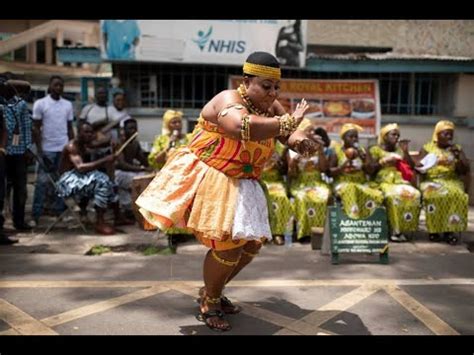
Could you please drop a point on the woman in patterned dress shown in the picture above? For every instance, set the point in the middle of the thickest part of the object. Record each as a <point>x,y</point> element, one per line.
<point>280,209</point>
<point>349,167</point>
<point>443,193</point>
<point>310,192</point>
<point>212,185</point>
<point>402,200</point>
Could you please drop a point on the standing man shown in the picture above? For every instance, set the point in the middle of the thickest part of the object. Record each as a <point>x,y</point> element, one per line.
<point>4,240</point>
<point>53,116</point>
<point>98,115</point>
<point>18,127</point>
<point>118,113</point>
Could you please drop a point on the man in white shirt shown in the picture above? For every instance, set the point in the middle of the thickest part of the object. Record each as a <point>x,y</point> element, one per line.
<point>52,117</point>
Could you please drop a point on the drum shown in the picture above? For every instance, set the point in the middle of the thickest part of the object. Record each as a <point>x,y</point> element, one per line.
<point>139,184</point>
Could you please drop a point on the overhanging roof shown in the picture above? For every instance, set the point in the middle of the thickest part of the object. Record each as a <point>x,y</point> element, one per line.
<point>389,62</point>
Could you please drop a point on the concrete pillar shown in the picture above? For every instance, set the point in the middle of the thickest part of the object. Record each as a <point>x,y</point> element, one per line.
<point>59,43</point>
<point>48,48</point>
<point>87,40</point>
<point>31,52</point>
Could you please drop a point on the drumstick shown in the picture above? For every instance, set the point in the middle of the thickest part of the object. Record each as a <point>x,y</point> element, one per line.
<point>127,142</point>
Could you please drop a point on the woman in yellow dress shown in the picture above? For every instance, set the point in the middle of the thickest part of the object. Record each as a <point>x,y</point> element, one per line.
<point>402,200</point>
<point>280,209</point>
<point>309,190</point>
<point>164,145</point>
<point>212,185</point>
<point>171,137</point>
<point>443,193</point>
<point>349,167</point>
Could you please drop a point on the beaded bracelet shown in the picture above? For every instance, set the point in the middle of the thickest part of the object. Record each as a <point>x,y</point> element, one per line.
<point>245,128</point>
<point>288,125</point>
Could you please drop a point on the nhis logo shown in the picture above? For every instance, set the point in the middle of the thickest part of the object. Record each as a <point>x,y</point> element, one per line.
<point>219,45</point>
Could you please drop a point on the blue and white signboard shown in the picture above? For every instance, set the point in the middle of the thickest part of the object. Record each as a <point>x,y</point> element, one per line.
<point>203,41</point>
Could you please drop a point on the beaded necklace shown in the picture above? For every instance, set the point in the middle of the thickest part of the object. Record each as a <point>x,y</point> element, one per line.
<point>246,99</point>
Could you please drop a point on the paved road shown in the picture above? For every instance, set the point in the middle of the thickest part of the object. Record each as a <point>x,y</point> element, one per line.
<point>48,286</point>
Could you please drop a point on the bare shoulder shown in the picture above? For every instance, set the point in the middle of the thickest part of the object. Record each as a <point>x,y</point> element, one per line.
<point>218,102</point>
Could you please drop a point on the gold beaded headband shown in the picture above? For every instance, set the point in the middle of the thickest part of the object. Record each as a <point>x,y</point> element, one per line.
<point>262,70</point>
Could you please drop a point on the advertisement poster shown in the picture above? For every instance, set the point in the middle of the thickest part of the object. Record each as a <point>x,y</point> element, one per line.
<point>203,41</point>
<point>332,102</point>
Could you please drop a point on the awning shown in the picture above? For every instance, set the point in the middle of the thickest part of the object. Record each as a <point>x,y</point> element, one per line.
<point>389,62</point>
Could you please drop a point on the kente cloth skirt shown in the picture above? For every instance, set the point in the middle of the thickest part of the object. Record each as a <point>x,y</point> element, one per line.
<point>222,212</point>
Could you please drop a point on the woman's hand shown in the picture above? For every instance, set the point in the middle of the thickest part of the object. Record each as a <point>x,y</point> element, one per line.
<point>307,147</point>
<point>300,110</point>
<point>389,161</point>
<point>455,150</point>
<point>403,144</point>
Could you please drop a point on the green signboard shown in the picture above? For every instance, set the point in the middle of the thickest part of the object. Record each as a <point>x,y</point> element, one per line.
<point>349,235</point>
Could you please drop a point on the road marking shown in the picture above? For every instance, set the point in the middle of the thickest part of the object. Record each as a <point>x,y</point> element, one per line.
<point>431,320</point>
<point>238,283</point>
<point>309,324</point>
<point>22,322</point>
<point>254,311</point>
<point>102,306</point>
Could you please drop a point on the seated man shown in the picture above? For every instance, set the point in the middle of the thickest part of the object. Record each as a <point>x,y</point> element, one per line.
<point>81,179</point>
<point>131,162</point>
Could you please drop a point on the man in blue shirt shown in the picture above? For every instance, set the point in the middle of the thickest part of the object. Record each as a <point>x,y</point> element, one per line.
<point>120,38</point>
<point>18,129</point>
<point>4,239</point>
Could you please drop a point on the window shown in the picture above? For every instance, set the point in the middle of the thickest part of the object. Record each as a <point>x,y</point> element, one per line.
<point>192,86</point>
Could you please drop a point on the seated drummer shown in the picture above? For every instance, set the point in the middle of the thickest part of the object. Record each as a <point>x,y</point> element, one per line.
<point>81,179</point>
<point>132,162</point>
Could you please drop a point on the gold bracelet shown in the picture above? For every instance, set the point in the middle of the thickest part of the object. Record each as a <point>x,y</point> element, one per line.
<point>288,125</point>
<point>245,128</point>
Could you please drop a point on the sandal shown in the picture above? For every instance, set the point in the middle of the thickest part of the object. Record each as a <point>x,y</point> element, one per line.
<point>204,316</point>
<point>227,306</point>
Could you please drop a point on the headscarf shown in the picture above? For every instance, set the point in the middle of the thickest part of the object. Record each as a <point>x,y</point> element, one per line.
<point>385,129</point>
<point>349,127</point>
<point>167,117</point>
<point>441,126</point>
<point>262,64</point>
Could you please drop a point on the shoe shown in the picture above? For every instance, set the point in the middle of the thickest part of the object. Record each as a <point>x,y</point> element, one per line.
<point>23,227</point>
<point>34,223</point>
<point>397,238</point>
<point>279,240</point>
<point>4,240</point>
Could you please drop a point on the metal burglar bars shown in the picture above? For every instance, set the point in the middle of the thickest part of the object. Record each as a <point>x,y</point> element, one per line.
<point>192,86</point>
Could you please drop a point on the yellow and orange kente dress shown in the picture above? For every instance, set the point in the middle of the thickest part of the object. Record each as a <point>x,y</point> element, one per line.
<point>211,187</point>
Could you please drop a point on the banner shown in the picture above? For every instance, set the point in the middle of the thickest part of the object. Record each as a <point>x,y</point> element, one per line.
<point>332,103</point>
<point>203,41</point>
